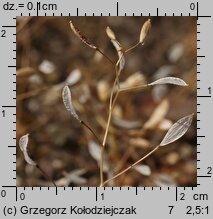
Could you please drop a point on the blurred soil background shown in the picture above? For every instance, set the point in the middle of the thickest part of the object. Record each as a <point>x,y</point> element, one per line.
<point>50,56</point>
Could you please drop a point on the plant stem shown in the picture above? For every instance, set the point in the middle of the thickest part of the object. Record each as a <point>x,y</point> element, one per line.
<point>103,54</point>
<point>105,136</point>
<point>46,175</point>
<point>102,151</point>
<point>90,129</point>
<point>133,47</point>
<point>111,105</point>
<point>102,166</point>
<point>131,166</point>
<point>134,88</point>
<point>109,117</point>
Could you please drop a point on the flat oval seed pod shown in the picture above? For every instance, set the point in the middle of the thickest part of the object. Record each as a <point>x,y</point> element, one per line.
<point>169,80</point>
<point>110,33</point>
<point>77,32</point>
<point>66,95</point>
<point>23,142</point>
<point>177,130</point>
<point>144,30</point>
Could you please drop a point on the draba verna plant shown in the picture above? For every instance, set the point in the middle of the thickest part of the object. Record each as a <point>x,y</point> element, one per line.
<point>176,131</point>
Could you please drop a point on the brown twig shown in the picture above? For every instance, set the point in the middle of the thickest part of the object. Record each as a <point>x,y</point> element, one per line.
<point>132,47</point>
<point>138,87</point>
<point>104,55</point>
<point>91,130</point>
<point>102,147</point>
<point>131,166</point>
<point>46,175</point>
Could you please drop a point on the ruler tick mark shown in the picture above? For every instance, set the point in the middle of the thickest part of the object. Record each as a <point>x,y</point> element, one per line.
<point>16,194</point>
<point>204,96</point>
<point>96,194</point>
<point>204,176</point>
<point>176,194</point>
<point>8,106</point>
<point>197,10</point>
<point>203,16</point>
<point>6,26</point>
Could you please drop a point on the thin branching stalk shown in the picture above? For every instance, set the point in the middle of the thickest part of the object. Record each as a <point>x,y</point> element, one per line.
<point>116,90</point>
<point>84,39</point>
<point>102,150</point>
<point>105,56</point>
<point>105,136</point>
<point>176,131</point>
<point>117,73</point>
<point>46,175</point>
<point>132,47</point>
<point>91,130</point>
<point>131,166</point>
<point>111,105</point>
<point>135,88</point>
<point>102,167</point>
